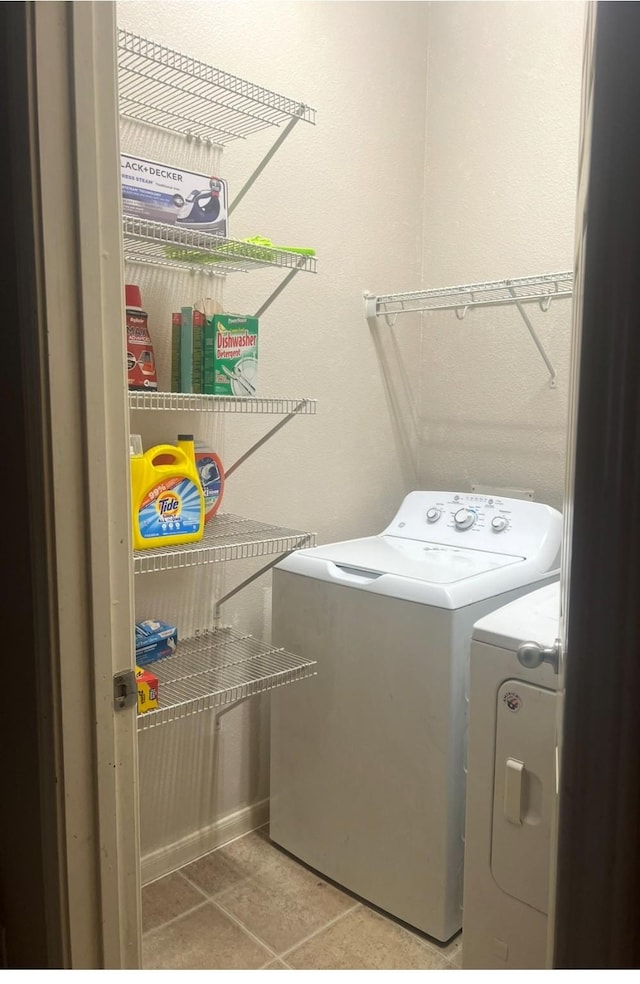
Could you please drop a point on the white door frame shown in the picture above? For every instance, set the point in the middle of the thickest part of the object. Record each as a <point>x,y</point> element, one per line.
<point>75,168</point>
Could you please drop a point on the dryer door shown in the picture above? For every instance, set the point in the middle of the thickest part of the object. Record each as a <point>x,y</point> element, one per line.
<point>524,791</point>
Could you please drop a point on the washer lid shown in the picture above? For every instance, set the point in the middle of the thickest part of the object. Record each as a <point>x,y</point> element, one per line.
<point>532,618</point>
<point>422,561</point>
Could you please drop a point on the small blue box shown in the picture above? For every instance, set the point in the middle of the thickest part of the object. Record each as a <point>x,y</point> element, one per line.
<point>154,640</point>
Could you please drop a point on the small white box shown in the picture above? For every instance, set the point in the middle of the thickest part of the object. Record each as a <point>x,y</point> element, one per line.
<point>162,193</point>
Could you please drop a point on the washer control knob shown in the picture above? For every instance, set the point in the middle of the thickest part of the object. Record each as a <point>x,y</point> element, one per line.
<point>499,523</point>
<point>464,519</point>
<point>433,514</point>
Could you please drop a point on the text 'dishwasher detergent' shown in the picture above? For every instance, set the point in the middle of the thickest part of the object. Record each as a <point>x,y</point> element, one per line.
<point>230,355</point>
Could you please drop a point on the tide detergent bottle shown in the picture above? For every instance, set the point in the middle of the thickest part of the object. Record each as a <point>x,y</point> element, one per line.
<point>166,498</point>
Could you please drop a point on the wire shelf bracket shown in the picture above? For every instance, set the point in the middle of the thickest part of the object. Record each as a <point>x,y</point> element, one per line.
<point>263,163</point>
<point>243,584</point>
<point>263,440</point>
<point>540,289</point>
<point>197,401</point>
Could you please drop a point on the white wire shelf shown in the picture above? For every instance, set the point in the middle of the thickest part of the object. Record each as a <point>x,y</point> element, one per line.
<point>144,400</point>
<point>542,288</point>
<point>226,537</point>
<point>159,244</point>
<point>217,668</point>
<point>162,87</point>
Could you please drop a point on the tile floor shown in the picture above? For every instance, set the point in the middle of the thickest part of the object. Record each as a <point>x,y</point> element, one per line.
<point>249,906</point>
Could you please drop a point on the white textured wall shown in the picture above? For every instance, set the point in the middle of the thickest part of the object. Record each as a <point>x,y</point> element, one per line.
<point>352,187</point>
<point>501,171</point>
<point>491,195</point>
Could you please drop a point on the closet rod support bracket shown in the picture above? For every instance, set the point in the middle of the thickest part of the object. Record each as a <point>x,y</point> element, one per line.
<point>248,580</point>
<point>285,283</point>
<point>370,305</point>
<point>264,438</point>
<point>265,160</point>
<point>553,381</point>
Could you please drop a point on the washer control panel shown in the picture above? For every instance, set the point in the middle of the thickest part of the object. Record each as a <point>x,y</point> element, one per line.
<point>464,518</point>
<point>499,523</point>
<point>481,522</point>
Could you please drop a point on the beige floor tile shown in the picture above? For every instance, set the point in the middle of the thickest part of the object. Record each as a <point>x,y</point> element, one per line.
<point>204,939</point>
<point>364,940</point>
<point>253,851</point>
<point>277,965</point>
<point>167,898</point>
<point>215,873</point>
<point>232,864</point>
<point>283,902</point>
<point>452,951</point>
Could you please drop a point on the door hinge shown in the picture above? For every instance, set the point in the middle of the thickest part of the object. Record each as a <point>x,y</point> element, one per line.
<point>125,689</point>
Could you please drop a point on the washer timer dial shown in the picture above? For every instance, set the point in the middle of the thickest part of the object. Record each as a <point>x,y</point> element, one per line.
<point>464,518</point>
<point>433,514</point>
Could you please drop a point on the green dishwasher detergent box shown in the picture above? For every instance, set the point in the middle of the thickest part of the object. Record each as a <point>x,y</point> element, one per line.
<point>231,355</point>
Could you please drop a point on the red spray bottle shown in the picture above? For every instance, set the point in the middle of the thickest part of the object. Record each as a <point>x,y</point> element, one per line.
<point>141,364</point>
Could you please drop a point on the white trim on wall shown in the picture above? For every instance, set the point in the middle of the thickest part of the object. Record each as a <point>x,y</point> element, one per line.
<point>195,845</point>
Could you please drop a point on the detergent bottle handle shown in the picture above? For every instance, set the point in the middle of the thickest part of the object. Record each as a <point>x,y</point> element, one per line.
<point>177,455</point>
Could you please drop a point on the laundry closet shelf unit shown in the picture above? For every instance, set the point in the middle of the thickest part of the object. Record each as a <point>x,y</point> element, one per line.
<point>153,400</point>
<point>163,88</point>
<point>217,668</point>
<point>540,289</point>
<point>226,537</point>
<point>173,247</point>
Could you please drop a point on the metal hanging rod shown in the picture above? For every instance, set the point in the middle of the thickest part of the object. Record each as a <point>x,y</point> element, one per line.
<point>540,289</point>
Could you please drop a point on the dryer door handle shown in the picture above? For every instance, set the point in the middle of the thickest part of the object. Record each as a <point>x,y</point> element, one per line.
<point>531,655</point>
<point>513,790</point>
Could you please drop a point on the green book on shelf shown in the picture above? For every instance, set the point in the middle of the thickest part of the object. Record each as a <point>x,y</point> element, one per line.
<point>198,344</point>
<point>208,357</point>
<point>186,350</point>
<point>176,324</point>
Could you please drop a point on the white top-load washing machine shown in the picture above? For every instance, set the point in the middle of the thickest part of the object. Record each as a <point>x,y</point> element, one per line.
<point>367,758</point>
<point>511,784</point>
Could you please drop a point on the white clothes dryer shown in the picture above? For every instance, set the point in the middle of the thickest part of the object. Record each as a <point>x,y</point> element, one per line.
<point>367,758</point>
<point>511,784</point>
